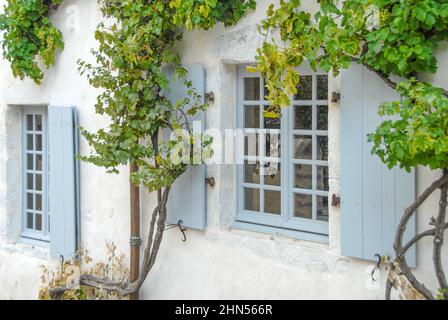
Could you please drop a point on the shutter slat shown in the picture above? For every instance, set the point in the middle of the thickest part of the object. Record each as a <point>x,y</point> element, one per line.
<point>351,166</point>
<point>187,197</point>
<point>372,168</point>
<point>373,197</point>
<point>63,198</point>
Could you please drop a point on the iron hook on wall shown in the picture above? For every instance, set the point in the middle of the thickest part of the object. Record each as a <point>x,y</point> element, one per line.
<point>182,230</point>
<point>376,267</point>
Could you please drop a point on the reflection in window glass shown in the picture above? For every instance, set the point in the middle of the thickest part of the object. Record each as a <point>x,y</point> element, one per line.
<point>250,144</point>
<point>322,148</point>
<point>305,88</point>
<point>251,199</point>
<point>322,208</point>
<point>303,117</point>
<point>303,206</point>
<point>303,147</point>
<point>322,118</point>
<point>272,201</point>
<point>273,145</point>
<point>272,174</point>
<point>252,117</point>
<point>303,176</point>
<point>29,142</point>
<point>251,172</point>
<point>322,178</point>
<point>29,122</point>
<point>251,89</point>
<point>322,87</point>
<point>38,122</point>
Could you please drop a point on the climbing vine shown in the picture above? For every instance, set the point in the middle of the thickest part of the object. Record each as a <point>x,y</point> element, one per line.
<point>390,38</point>
<point>29,36</point>
<point>134,46</point>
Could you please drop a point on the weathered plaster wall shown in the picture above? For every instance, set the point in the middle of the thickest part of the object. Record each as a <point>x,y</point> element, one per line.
<point>219,263</point>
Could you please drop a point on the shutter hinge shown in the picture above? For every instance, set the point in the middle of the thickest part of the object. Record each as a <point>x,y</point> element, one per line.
<point>210,181</point>
<point>335,201</point>
<point>210,97</point>
<point>335,97</point>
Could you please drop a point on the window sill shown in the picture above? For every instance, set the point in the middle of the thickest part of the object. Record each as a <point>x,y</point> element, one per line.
<point>29,247</point>
<point>300,235</point>
<point>34,242</point>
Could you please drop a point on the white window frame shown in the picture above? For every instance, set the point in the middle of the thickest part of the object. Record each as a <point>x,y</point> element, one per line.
<point>285,223</point>
<point>32,233</point>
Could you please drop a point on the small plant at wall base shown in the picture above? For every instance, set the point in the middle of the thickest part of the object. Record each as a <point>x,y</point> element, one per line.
<point>29,36</point>
<point>113,268</point>
<point>133,48</point>
<point>388,37</point>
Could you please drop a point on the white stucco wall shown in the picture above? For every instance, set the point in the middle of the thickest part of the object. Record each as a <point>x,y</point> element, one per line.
<point>220,262</point>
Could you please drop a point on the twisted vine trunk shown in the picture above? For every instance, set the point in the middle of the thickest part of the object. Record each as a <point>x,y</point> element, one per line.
<point>440,225</point>
<point>154,240</point>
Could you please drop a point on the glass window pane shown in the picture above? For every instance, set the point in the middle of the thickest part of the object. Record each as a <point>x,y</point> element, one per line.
<point>251,172</point>
<point>272,122</point>
<point>303,117</point>
<point>303,176</point>
<point>29,122</point>
<point>272,202</point>
<point>38,202</point>
<point>322,208</point>
<point>322,87</point>
<point>322,178</point>
<point>29,142</point>
<point>29,161</point>
<point>273,145</point>
<point>29,181</point>
<point>29,220</point>
<point>251,144</point>
<point>38,162</point>
<point>29,201</point>
<point>38,122</point>
<point>305,88</point>
<point>303,206</point>
<point>251,199</point>
<point>303,147</point>
<point>251,89</point>
<point>38,222</point>
<point>38,142</point>
<point>322,118</point>
<point>38,182</point>
<point>272,174</point>
<point>322,148</point>
<point>252,117</point>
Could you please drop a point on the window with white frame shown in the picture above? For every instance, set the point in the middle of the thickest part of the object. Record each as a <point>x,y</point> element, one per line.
<point>283,183</point>
<point>35,172</point>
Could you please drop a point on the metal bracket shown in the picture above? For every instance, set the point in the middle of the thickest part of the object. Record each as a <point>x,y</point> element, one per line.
<point>335,97</point>
<point>210,181</point>
<point>335,201</point>
<point>210,97</point>
<point>135,241</point>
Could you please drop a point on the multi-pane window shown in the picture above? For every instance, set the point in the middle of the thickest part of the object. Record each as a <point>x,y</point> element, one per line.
<point>283,182</point>
<point>36,217</point>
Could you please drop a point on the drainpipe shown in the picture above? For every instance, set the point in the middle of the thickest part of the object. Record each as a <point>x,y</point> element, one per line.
<point>135,240</point>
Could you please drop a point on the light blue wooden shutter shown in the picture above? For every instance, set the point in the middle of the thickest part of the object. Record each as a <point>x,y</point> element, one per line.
<point>63,182</point>
<point>373,198</point>
<point>187,197</point>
